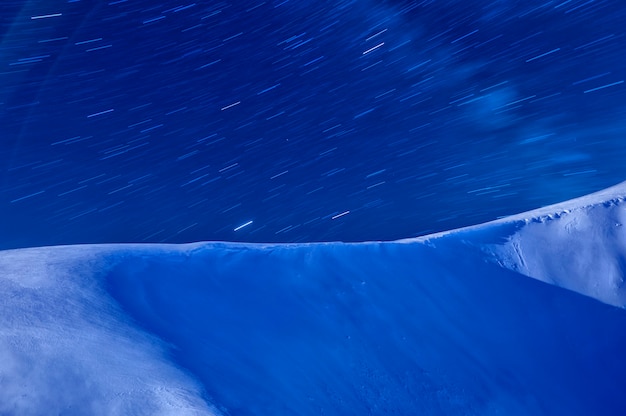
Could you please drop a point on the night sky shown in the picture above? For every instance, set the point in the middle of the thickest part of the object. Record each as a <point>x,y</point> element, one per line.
<point>300,120</point>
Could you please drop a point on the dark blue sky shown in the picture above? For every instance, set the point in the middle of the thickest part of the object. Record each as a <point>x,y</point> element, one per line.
<point>143,121</point>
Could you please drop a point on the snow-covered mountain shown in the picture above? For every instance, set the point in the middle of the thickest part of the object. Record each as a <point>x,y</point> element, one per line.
<point>446,324</point>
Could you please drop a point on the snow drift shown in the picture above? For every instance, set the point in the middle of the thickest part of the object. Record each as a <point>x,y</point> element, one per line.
<point>439,325</point>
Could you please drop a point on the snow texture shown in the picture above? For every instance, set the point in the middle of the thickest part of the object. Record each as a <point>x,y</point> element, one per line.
<point>578,245</point>
<point>447,324</point>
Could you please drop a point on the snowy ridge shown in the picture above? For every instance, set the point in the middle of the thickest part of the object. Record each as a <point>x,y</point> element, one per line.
<point>613,195</point>
<point>579,244</point>
<point>583,250</point>
<point>446,324</point>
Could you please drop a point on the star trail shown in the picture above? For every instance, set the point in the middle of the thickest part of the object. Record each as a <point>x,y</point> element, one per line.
<point>292,121</point>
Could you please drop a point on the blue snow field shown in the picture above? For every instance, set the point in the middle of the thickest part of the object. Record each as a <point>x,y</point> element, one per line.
<point>438,325</point>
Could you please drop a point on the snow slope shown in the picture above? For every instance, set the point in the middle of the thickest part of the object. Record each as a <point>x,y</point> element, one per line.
<point>448,324</point>
<point>579,244</point>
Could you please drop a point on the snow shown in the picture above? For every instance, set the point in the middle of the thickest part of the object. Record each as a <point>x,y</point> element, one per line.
<point>67,348</point>
<point>578,245</point>
<point>447,324</point>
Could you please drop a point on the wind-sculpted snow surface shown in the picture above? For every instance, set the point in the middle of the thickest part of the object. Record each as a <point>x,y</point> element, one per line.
<point>447,324</point>
<point>579,244</point>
